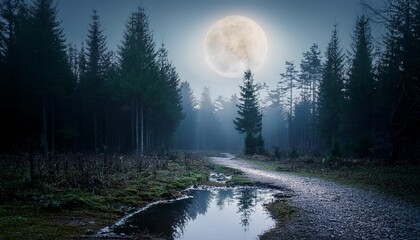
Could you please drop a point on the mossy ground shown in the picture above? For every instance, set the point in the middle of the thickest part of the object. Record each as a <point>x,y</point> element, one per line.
<point>60,211</point>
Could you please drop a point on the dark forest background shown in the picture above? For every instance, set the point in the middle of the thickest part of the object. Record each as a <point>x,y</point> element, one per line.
<point>56,97</point>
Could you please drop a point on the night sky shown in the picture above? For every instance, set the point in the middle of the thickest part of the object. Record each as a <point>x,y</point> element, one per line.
<point>291,28</point>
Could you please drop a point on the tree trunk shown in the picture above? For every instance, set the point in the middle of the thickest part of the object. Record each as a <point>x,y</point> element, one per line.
<point>95,134</point>
<point>133,145</point>
<point>44,136</point>
<point>52,127</point>
<point>313,116</point>
<point>291,114</point>
<point>142,128</point>
<point>137,127</point>
<point>32,179</point>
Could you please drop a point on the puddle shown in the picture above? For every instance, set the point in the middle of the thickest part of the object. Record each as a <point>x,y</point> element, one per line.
<point>213,213</point>
<point>219,177</point>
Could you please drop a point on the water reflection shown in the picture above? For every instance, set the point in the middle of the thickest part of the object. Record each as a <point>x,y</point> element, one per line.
<point>227,213</point>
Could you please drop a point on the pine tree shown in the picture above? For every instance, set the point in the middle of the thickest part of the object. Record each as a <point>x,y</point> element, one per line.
<point>11,86</point>
<point>287,83</point>
<point>359,90</point>
<point>330,93</point>
<point>49,70</point>
<point>166,95</point>
<point>309,78</point>
<point>137,71</point>
<point>249,121</point>
<point>93,90</point>
<point>398,96</point>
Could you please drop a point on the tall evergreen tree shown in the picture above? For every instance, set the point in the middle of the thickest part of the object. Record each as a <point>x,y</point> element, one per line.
<point>249,121</point>
<point>11,86</point>
<point>359,90</point>
<point>93,85</point>
<point>398,95</point>
<point>49,75</point>
<point>169,99</point>
<point>330,93</point>
<point>309,78</point>
<point>287,83</point>
<point>137,71</point>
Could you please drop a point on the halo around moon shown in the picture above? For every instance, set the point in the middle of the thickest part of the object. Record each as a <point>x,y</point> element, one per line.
<point>233,44</point>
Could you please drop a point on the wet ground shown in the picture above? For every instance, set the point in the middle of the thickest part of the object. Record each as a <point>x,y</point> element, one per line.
<point>333,211</point>
<point>204,213</point>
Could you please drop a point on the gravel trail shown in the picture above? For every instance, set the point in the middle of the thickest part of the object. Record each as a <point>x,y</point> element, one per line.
<point>334,211</point>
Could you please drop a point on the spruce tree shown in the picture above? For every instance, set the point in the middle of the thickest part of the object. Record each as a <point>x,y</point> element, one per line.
<point>137,72</point>
<point>49,70</point>
<point>165,93</point>
<point>358,108</point>
<point>398,97</point>
<point>93,85</point>
<point>330,94</point>
<point>249,121</point>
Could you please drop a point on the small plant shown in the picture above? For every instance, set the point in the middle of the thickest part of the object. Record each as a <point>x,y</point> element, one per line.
<point>293,154</point>
<point>277,153</point>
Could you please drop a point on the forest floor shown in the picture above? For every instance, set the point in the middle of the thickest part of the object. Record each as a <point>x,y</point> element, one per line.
<point>75,195</point>
<point>66,203</point>
<point>340,204</point>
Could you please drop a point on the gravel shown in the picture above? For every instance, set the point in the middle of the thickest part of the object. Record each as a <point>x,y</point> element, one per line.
<point>335,211</point>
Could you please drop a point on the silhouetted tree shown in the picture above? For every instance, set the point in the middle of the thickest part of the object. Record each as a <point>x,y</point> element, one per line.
<point>165,96</point>
<point>249,121</point>
<point>49,70</point>
<point>398,96</point>
<point>359,90</point>
<point>330,93</point>
<point>137,71</point>
<point>93,86</point>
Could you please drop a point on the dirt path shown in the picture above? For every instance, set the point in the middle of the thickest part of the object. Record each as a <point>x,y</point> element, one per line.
<point>334,211</point>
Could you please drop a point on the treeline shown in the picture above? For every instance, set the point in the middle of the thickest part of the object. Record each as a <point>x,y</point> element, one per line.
<point>56,97</point>
<point>363,103</point>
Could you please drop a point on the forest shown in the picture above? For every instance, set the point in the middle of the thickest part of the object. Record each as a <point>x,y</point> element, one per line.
<point>89,134</point>
<point>56,97</point>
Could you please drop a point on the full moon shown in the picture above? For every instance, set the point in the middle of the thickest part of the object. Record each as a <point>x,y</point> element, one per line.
<point>233,44</point>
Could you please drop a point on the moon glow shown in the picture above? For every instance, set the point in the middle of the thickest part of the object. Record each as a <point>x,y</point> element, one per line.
<point>233,44</point>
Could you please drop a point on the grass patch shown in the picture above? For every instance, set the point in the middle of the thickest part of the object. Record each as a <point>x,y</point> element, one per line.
<point>285,215</point>
<point>281,211</point>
